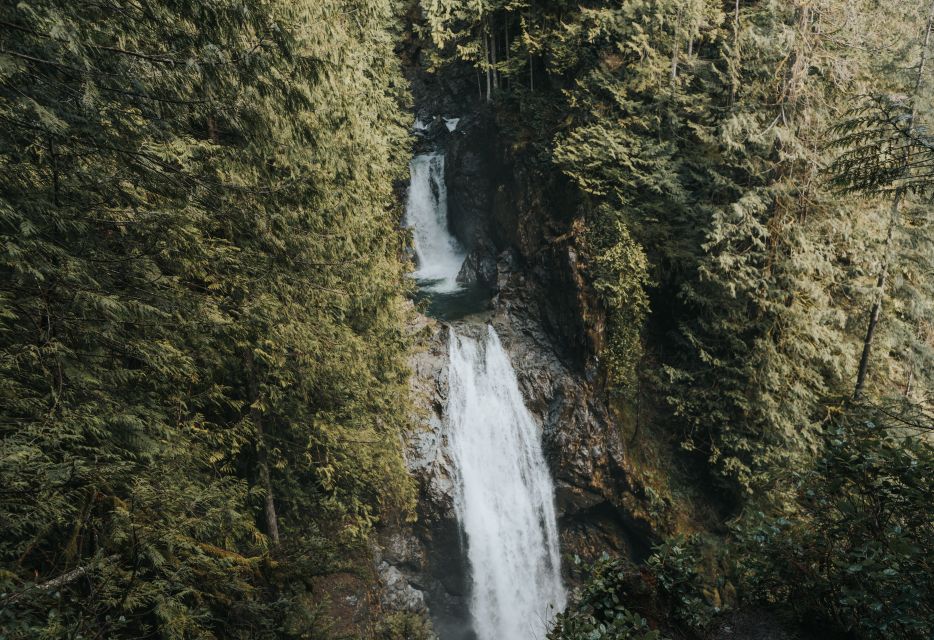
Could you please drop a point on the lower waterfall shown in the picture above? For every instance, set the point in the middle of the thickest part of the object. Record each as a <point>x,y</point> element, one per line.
<point>505,497</point>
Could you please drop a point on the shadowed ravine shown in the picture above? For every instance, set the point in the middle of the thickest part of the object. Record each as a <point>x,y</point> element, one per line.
<point>503,495</point>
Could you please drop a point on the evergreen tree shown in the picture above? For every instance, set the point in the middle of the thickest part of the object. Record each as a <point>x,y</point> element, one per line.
<point>886,150</point>
<point>698,134</point>
<point>201,311</point>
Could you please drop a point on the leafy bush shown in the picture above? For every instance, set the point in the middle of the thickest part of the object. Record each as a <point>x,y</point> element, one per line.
<point>677,565</point>
<point>403,625</point>
<point>856,548</point>
<point>598,612</point>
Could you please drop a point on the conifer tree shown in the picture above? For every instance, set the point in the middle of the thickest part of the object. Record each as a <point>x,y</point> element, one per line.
<point>200,310</point>
<point>886,149</point>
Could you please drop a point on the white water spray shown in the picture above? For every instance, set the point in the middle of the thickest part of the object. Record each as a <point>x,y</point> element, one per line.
<point>438,253</point>
<point>505,498</point>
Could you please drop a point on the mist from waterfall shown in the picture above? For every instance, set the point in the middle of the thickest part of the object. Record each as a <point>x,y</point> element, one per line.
<point>438,254</point>
<point>505,497</point>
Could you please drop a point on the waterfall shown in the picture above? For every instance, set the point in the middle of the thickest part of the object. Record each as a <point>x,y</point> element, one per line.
<point>505,498</point>
<point>438,253</point>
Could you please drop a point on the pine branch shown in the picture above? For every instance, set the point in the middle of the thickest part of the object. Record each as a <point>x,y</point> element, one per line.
<point>54,584</point>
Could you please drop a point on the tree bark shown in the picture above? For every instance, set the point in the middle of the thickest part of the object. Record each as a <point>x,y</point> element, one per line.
<point>272,522</point>
<point>675,46</point>
<point>735,48</point>
<point>493,55</point>
<point>876,309</point>
<point>528,27</point>
<point>486,59</point>
<point>213,134</point>
<point>262,456</point>
<point>924,55</point>
<point>57,583</point>
<point>674,64</point>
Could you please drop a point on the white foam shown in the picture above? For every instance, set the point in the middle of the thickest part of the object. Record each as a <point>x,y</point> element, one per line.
<point>438,253</point>
<point>504,497</point>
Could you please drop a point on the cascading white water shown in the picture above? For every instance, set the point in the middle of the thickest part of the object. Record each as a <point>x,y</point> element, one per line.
<point>438,253</point>
<point>505,497</point>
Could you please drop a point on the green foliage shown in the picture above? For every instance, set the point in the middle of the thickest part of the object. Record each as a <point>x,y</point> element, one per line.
<point>671,588</point>
<point>697,134</point>
<point>619,271</point>
<point>883,147</point>
<point>200,308</point>
<point>599,611</point>
<point>728,169</point>
<point>728,172</point>
<point>856,546</point>
<point>679,566</point>
<point>404,626</point>
<point>849,550</point>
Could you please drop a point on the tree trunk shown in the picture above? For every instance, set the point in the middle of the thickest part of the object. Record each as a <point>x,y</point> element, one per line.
<point>272,522</point>
<point>506,36</point>
<point>493,55</point>
<point>675,50</point>
<point>674,64</point>
<point>262,456</point>
<point>528,26</point>
<point>61,581</point>
<point>735,49</point>
<point>213,134</point>
<point>924,56</point>
<point>893,224</point>
<point>486,59</point>
<point>877,305</point>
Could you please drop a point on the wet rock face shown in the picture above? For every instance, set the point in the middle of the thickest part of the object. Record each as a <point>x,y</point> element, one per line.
<point>426,563</point>
<point>469,166</point>
<point>398,594</point>
<point>587,460</point>
<point>425,454</point>
<point>479,267</point>
<point>587,457</point>
<point>466,143</point>
<point>496,205</point>
<point>519,230</point>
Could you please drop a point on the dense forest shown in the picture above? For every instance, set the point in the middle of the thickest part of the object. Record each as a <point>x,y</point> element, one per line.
<point>205,319</point>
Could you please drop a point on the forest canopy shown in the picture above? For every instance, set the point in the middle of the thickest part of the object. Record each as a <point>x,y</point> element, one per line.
<point>201,311</point>
<point>203,301</point>
<point>754,210</point>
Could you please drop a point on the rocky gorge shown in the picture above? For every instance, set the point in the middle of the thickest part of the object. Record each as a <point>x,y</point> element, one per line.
<point>521,255</point>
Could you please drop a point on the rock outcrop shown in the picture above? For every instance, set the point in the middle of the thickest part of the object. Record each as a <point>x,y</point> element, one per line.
<point>426,562</point>
<point>588,459</point>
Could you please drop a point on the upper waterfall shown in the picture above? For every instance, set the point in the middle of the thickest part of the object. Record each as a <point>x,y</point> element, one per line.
<point>504,497</point>
<point>438,253</point>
